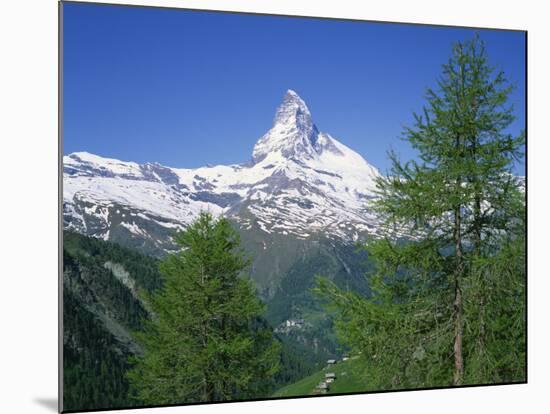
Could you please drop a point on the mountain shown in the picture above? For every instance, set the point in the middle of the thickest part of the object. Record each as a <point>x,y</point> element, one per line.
<point>299,204</point>
<point>299,181</point>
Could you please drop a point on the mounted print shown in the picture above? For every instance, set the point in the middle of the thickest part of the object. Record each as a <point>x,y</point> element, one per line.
<point>263,206</point>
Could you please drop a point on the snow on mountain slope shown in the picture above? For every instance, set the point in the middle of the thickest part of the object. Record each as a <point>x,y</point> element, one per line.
<point>300,181</point>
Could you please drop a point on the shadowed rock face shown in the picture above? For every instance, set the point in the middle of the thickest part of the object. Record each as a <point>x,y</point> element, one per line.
<point>293,133</point>
<point>154,172</point>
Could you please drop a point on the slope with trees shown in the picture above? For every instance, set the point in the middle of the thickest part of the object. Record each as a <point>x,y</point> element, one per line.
<point>100,313</point>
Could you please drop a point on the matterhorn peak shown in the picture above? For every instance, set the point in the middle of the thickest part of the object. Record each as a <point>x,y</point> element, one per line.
<point>293,113</point>
<point>293,134</point>
<point>292,109</point>
<point>300,181</point>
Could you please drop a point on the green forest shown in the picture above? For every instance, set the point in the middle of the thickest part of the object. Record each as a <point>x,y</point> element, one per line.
<point>113,329</point>
<point>443,301</point>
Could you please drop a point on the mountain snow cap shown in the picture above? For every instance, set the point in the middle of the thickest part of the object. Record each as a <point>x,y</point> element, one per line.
<point>293,134</point>
<point>292,109</point>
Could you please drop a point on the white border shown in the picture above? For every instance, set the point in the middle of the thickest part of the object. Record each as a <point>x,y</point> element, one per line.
<point>28,233</point>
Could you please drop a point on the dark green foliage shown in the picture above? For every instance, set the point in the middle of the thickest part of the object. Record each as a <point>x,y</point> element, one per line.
<point>297,360</point>
<point>448,292</point>
<point>94,362</point>
<point>294,298</point>
<point>307,349</point>
<point>99,311</point>
<point>495,308</point>
<point>92,291</point>
<point>144,269</point>
<point>205,341</point>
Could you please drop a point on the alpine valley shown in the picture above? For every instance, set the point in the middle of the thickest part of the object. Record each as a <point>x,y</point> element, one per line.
<point>300,205</point>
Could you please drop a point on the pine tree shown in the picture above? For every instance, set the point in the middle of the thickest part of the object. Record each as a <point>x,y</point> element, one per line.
<point>205,341</point>
<point>450,271</point>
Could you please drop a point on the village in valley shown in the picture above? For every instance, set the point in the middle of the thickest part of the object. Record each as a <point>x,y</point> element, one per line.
<point>291,325</point>
<point>329,376</point>
<point>324,386</point>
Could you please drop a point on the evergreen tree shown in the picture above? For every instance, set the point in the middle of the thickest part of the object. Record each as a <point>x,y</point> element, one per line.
<point>205,341</point>
<point>448,302</point>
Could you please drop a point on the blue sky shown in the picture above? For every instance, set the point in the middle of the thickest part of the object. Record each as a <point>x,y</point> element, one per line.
<point>187,89</point>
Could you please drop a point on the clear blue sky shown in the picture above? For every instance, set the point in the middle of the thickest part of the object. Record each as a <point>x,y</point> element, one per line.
<point>187,89</point>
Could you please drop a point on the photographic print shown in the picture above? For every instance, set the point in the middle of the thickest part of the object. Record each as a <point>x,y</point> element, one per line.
<point>264,206</point>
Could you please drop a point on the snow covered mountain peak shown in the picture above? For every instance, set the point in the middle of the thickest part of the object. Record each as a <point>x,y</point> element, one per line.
<point>301,182</point>
<point>293,134</point>
<point>293,110</point>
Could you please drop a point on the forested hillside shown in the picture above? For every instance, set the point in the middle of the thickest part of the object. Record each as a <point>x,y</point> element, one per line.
<point>105,291</point>
<point>102,306</point>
